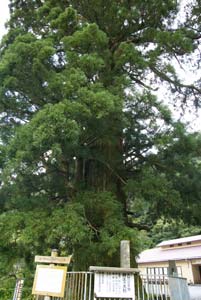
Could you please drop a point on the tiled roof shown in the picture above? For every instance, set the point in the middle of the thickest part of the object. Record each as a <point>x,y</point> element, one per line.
<point>158,254</point>
<point>194,238</point>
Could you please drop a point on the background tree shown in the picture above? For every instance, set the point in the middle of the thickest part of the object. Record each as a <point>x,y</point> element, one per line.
<point>80,125</point>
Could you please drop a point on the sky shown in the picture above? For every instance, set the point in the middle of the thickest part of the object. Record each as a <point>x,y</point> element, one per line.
<point>4,15</point>
<point>193,118</point>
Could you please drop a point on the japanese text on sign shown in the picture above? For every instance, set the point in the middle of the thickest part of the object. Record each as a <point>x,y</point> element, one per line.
<point>114,285</point>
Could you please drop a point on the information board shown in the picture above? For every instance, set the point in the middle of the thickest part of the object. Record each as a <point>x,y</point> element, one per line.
<point>114,285</point>
<point>49,281</point>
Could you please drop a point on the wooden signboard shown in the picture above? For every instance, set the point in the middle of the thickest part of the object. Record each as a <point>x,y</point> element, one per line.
<point>49,281</point>
<point>53,259</point>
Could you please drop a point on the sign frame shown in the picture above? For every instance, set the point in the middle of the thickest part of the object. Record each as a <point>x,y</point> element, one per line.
<point>111,282</point>
<point>47,292</point>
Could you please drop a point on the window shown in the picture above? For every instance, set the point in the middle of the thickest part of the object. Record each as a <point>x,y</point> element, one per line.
<point>157,271</point>
<point>163,271</point>
<point>179,271</point>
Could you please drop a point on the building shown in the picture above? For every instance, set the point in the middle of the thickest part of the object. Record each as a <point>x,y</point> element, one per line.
<point>186,252</point>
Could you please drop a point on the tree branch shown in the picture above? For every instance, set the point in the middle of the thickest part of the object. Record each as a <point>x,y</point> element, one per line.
<point>166,78</point>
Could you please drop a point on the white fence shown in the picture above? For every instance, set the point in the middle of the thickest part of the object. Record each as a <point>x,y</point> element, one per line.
<point>152,287</point>
<point>80,286</point>
<point>18,289</point>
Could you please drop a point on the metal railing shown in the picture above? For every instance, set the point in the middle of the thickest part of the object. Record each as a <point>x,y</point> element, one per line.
<point>152,287</point>
<point>80,286</point>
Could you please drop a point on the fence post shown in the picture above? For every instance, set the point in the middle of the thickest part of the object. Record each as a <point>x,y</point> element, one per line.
<point>172,268</point>
<point>54,253</point>
<point>178,288</point>
<point>18,289</point>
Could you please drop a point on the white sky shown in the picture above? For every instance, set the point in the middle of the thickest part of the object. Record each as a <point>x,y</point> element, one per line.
<point>4,15</point>
<point>192,118</point>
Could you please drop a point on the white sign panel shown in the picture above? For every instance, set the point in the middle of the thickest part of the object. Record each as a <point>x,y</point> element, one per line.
<point>114,285</point>
<point>49,281</point>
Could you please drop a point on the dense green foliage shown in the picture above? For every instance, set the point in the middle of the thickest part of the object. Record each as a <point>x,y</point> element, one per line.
<point>89,156</point>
